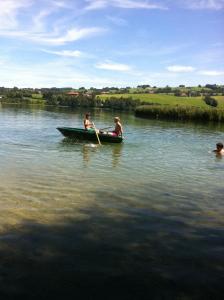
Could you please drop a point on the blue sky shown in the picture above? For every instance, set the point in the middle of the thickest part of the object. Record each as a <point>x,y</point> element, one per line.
<point>111,42</point>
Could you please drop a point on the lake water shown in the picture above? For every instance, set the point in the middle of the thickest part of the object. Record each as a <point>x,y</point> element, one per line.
<point>137,220</point>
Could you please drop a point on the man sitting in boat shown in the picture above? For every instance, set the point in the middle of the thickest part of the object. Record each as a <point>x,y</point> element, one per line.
<point>118,130</point>
<point>87,123</point>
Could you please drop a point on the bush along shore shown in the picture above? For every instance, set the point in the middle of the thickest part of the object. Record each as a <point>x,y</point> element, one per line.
<point>180,113</point>
<point>121,103</point>
<point>127,103</point>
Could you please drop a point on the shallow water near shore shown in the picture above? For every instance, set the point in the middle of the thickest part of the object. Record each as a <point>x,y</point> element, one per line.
<point>144,217</point>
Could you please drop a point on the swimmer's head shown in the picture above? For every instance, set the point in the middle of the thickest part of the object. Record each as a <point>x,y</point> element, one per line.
<point>219,146</point>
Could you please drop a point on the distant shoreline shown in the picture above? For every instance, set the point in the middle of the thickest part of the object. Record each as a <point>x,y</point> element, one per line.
<point>156,106</point>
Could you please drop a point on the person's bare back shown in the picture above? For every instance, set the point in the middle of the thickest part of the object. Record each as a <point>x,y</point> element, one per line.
<point>118,127</point>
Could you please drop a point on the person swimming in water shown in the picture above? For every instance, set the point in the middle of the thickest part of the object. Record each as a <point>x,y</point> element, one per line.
<point>219,149</point>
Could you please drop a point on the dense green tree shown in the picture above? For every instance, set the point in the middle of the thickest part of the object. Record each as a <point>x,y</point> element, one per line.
<point>210,101</point>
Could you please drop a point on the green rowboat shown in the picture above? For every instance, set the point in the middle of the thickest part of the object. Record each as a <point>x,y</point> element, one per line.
<point>90,135</point>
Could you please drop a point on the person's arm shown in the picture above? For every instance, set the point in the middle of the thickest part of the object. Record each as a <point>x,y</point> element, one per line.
<point>121,129</point>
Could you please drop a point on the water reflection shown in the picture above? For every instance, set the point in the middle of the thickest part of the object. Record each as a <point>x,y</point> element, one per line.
<point>88,150</point>
<point>218,156</point>
<point>68,144</point>
<point>116,154</point>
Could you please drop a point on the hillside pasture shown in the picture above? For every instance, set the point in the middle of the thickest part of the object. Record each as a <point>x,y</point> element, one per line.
<point>163,99</point>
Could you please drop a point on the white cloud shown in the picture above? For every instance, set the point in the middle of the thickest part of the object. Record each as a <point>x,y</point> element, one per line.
<point>34,24</point>
<point>113,66</point>
<point>66,53</point>
<point>38,20</point>
<point>211,73</point>
<point>117,21</point>
<point>61,4</point>
<point>150,4</point>
<point>71,35</point>
<point>47,75</point>
<point>205,4</point>
<point>180,69</point>
<point>96,4</point>
<point>9,10</point>
<point>129,4</point>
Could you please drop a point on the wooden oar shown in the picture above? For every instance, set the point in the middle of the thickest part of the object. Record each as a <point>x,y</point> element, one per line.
<point>106,128</point>
<point>96,134</point>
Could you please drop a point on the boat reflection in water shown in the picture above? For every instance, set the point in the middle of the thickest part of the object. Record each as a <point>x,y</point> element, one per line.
<point>90,150</point>
<point>116,154</point>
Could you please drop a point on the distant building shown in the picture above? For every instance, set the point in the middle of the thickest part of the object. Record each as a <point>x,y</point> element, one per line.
<point>73,93</point>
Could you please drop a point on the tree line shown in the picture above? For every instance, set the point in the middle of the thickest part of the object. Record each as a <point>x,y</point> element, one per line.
<point>92,100</point>
<point>181,90</point>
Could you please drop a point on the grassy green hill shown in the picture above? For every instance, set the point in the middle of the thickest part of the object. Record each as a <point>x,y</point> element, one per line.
<point>168,99</point>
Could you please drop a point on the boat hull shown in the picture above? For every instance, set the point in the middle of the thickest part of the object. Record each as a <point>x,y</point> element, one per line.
<point>82,134</point>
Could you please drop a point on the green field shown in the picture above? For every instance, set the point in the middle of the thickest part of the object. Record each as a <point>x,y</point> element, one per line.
<point>37,96</point>
<point>168,99</point>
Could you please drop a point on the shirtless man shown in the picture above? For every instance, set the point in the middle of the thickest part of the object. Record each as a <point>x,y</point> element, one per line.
<point>219,149</point>
<point>118,130</point>
<point>87,123</point>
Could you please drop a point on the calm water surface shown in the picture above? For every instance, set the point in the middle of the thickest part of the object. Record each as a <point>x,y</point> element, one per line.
<point>151,207</point>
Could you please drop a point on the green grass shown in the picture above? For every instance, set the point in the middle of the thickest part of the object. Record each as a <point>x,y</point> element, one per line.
<point>25,100</point>
<point>33,100</point>
<point>220,100</point>
<point>37,96</point>
<point>168,99</point>
<point>180,113</point>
